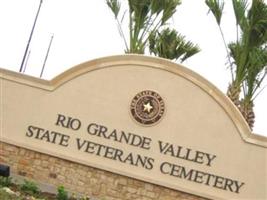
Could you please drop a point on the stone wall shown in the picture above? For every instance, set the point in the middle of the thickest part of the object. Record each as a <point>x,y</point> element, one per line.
<point>83,179</point>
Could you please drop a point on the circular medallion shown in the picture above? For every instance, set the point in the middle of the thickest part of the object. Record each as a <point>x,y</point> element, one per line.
<point>147,107</point>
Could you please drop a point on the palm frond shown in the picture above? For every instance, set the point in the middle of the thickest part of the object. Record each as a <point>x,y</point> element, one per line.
<point>190,49</point>
<point>248,54</point>
<point>146,18</point>
<point>257,70</point>
<point>140,16</point>
<point>169,9</point>
<point>216,7</point>
<point>171,45</point>
<point>257,17</point>
<point>140,9</point>
<point>114,6</point>
<point>157,6</point>
<point>240,10</point>
<point>234,48</point>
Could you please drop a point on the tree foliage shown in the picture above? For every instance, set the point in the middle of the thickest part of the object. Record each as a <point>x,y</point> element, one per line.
<point>147,26</point>
<point>248,54</point>
<point>171,45</point>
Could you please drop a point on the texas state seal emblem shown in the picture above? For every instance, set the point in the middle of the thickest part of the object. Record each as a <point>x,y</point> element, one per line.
<point>147,107</point>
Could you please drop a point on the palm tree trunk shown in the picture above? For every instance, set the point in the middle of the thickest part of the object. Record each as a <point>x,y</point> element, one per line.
<point>233,92</point>
<point>246,108</point>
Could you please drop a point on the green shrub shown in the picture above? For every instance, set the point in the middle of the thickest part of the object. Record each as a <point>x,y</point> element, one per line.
<point>85,198</point>
<point>5,181</point>
<point>6,196</point>
<point>30,188</point>
<point>62,194</point>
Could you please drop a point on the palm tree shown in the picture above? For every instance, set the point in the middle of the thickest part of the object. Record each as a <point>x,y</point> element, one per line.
<point>147,18</point>
<point>248,54</point>
<point>171,45</point>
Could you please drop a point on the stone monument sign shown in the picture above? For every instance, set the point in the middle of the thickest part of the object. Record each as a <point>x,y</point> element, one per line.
<point>141,117</point>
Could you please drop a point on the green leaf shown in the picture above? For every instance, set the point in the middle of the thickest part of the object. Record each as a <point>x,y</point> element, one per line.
<point>169,9</point>
<point>171,45</point>
<point>216,7</point>
<point>240,9</point>
<point>114,6</point>
<point>157,6</point>
<point>257,67</point>
<point>257,17</point>
<point>190,49</point>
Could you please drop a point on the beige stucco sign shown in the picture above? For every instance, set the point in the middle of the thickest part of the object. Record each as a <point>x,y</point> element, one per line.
<point>141,117</point>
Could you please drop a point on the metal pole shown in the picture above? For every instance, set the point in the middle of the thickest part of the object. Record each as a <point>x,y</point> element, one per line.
<point>29,41</point>
<point>26,62</point>
<point>47,53</point>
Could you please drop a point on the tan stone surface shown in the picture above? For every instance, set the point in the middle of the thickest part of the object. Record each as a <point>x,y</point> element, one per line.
<point>83,179</point>
<point>198,117</point>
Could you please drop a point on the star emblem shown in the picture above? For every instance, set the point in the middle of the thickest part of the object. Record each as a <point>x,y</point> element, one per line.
<point>147,107</point>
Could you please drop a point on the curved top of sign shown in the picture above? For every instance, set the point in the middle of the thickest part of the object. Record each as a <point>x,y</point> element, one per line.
<point>150,62</point>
